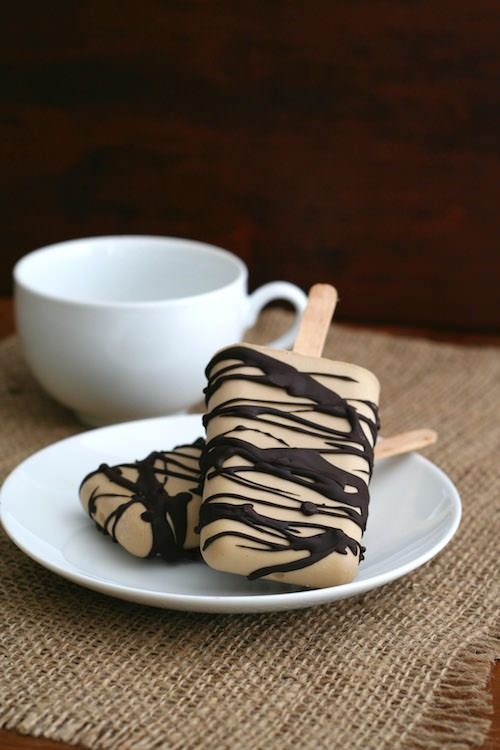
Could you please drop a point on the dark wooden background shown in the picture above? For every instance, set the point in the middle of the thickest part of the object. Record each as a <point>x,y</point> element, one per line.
<point>350,141</point>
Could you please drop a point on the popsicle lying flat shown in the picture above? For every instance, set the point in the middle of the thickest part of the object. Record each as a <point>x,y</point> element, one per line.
<point>149,507</point>
<point>287,463</point>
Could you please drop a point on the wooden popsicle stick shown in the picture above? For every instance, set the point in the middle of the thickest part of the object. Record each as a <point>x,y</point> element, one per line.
<point>316,320</point>
<point>405,442</point>
<point>311,337</point>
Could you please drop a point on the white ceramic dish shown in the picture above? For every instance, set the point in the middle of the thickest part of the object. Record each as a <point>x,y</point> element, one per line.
<point>414,512</point>
<point>125,314</point>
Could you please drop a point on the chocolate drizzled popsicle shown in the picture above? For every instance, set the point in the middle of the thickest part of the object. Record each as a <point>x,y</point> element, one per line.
<point>150,507</point>
<point>288,459</point>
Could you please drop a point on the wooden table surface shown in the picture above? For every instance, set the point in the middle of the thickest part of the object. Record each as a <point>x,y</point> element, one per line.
<point>10,740</point>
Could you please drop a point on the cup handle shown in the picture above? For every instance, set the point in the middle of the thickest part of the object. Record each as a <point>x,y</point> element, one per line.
<point>274,291</point>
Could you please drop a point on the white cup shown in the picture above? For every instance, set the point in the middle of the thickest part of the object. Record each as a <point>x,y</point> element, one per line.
<point>122,327</point>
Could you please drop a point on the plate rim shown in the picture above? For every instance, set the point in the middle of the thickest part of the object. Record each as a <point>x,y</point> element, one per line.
<point>216,603</point>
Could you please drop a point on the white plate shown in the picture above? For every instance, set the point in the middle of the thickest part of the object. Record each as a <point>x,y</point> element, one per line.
<point>414,512</point>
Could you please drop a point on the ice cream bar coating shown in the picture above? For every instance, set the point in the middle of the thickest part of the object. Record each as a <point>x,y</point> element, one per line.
<point>287,463</point>
<point>150,507</point>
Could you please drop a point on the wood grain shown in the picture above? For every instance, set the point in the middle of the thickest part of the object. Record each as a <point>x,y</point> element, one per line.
<point>316,320</point>
<point>356,142</point>
<point>14,741</point>
<point>404,442</point>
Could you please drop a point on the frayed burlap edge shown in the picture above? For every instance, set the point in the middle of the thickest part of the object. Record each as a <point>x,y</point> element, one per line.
<point>458,714</point>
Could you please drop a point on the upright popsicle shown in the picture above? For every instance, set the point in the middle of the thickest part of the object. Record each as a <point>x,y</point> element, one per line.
<point>288,458</point>
<point>150,507</point>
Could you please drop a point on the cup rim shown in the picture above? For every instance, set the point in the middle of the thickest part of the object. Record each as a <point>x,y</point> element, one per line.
<point>132,304</point>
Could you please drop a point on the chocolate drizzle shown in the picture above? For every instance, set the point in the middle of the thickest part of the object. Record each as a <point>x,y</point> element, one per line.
<point>242,463</point>
<point>166,513</point>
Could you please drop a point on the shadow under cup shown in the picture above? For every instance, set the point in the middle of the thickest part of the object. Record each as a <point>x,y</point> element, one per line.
<point>119,328</point>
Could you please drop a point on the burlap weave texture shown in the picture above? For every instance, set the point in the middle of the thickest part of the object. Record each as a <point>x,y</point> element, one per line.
<point>404,666</point>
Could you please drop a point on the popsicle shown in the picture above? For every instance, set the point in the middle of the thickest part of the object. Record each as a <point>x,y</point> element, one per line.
<point>288,458</point>
<point>150,507</point>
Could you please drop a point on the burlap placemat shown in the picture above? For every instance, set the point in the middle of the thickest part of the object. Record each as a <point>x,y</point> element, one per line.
<point>403,666</point>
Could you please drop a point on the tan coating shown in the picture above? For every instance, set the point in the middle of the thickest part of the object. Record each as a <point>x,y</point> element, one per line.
<point>227,553</point>
<point>132,532</point>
